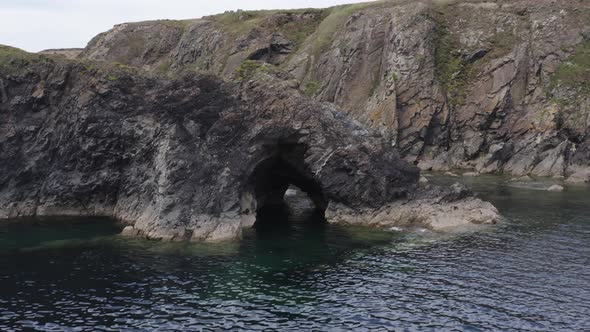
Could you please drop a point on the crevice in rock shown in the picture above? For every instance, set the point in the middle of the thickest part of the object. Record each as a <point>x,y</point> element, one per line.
<point>276,52</point>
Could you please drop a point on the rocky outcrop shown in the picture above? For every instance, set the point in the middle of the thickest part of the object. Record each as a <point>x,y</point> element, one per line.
<point>186,158</point>
<point>486,86</point>
<point>433,208</point>
<point>68,53</point>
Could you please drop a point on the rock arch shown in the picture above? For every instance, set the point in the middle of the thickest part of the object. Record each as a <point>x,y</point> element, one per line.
<point>187,158</point>
<point>272,176</point>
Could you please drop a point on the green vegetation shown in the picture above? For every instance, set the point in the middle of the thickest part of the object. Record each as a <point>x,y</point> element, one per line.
<point>572,75</point>
<point>117,70</point>
<point>574,72</point>
<point>11,51</point>
<point>393,77</point>
<point>336,19</point>
<point>239,22</point>
<point>452,71</point>
<point>375,86</point>
<point>298,31</point>
<point>180,24</point>
<point>248,68</point>
<point>164,67</point>
<point>13,59</point>
<point>501,44</point>
<point>312,88</point>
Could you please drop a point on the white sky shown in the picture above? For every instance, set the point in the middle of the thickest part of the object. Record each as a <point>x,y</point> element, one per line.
<point>35,25</point>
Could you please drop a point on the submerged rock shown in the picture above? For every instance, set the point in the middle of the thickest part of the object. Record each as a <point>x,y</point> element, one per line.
<point>556,188</point>
<point>195,157</point>
<point>129,231</point>
<point>524,178</point>
<point>471,174</point>
<point>423,179</point>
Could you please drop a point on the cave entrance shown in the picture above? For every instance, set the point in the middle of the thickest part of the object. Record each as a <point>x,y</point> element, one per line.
<point>272,177</point>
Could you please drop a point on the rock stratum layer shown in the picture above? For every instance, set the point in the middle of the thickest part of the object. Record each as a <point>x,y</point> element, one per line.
<point>192,157</point>
<point>494,86</point>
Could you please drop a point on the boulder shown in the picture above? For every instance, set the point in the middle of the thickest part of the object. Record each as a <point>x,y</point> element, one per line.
<point>556,188</point>
<point>129,231</point>
<point>451,174</point>
<point>581,176</point>
<point>441,209</point>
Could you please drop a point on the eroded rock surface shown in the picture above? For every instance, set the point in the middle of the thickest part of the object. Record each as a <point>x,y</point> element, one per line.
<point>434,208</point>
<point>189,158</point>
<point>497,86</point>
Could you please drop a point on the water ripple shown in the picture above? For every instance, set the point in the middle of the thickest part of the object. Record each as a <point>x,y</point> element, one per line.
<point>531,273</point>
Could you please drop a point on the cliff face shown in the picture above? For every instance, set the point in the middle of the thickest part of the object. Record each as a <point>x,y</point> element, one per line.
<point>195,157</point>
<point>491,86</point>
<point>188,158</point>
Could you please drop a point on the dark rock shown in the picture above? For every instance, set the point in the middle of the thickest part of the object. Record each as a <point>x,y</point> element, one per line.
<point>193,155</point>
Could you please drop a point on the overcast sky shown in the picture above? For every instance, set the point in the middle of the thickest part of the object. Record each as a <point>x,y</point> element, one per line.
<point>35,25</point>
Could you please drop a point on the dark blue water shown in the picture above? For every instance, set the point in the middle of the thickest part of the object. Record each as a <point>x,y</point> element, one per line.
<point>532,272</point>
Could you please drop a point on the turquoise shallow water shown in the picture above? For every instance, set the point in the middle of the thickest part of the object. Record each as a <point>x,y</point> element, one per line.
<point>531,272</point>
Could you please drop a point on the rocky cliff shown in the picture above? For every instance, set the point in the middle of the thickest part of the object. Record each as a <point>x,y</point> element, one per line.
<point>495,86</point>
<point>194,157</point>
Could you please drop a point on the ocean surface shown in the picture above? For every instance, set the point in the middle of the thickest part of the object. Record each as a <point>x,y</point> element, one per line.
<point>295,273</point>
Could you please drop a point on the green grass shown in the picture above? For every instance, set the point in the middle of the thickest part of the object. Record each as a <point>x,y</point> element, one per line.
<point>249,68</point>
<point>393,77</point>
<point>501,44</point>
<point>574,72</point>
<point>299,31</point>
<point>179,24</point>
<point>451,70</point>
<point>13,59</point>
<point>335,20</point>
<point>239,22</point>
<point>312,88</point>
<point>164,67</point>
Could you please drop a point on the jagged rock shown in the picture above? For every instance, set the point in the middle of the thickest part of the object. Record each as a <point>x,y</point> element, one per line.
<point>453,85</point>
<point>68,53</point>
<point>423,179</point>
<point>556,188</point>
<point>188,158</point>
<point>581,176</point>
<point>443,210</point>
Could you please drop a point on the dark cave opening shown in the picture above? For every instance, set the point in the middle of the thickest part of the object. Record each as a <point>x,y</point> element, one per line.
<point>272,178</point>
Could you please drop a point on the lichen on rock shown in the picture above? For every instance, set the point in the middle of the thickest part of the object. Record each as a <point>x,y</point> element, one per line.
<point>186,158</point>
